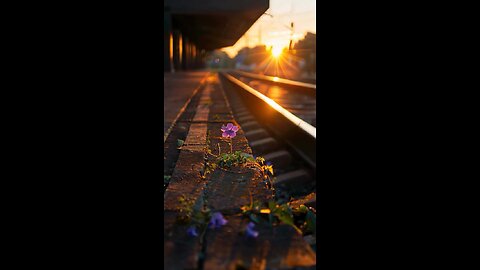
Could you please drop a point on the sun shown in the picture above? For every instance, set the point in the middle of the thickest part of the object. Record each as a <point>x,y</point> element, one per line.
<point>276,51</point>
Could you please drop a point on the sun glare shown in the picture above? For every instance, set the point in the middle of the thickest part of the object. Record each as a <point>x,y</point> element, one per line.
<point>276,51</point>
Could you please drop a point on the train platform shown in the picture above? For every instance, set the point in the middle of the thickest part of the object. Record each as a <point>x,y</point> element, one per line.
<point>197,107</point>
<point>179,87</point>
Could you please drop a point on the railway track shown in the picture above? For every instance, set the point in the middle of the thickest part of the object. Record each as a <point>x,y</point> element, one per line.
<point>296,97</point>
<point>277,117</point>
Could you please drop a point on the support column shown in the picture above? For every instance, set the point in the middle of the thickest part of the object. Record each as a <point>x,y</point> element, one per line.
<point>176,50</point>
<point>181,59</point>
<point>194,50</point>
<point>167,41</point>
<point>190,46</point>
<point>185,55</point>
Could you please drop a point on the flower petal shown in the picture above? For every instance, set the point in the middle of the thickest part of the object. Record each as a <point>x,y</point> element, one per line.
<point>224,128</point>
<point>249,231</point>
<point>192,231</point>
<point>217,221</point>
<point>231,133</point>
<point>252,233</point>
<point>225,134</point>
<point>211,225</point>
<point>222,221</point>
<point>235,128</point>
<point>230,126</point>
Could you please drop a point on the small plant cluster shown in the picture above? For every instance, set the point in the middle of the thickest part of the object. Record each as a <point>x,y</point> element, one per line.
<point>226,161</point>
<point>204,221</point>
<point>199,219</point>
<point>302,218</point>
<point>265,169</point>
<point>180,143</point>
<point>234,159</point>
<point>185,209</point>
<point>241,159</point>
<point>166,180</point>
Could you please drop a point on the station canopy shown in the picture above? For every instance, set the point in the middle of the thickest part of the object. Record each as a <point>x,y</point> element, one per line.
<point>213,24</point>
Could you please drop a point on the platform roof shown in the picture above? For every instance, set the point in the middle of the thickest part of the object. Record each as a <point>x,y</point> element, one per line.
<point>213,24</point>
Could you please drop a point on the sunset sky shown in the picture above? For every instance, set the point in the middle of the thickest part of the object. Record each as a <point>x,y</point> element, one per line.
<point>275,31</point>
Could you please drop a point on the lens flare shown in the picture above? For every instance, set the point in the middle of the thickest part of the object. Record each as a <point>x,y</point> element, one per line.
<point>276,51</point>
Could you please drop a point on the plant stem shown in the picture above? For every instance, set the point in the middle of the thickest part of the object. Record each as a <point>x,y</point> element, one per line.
<point>203,234</point>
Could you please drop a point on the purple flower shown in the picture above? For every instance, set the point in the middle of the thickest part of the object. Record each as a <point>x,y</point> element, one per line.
<point>229,131</point>
<point>217,221</point>
<point>192,231</point>
<point>250,232</point>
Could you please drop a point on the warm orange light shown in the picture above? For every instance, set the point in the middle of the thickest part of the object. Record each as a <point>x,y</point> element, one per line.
<point>276,51</point>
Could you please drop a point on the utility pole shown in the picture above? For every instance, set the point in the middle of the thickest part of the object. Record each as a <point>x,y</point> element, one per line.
<point>291,37</point>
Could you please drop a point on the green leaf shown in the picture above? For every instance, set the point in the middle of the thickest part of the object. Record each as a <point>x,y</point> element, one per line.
<point>166,178</point>
<point>180,142</point>
<point>272,205</point>
<point>311,220</point>
<point>260,160</point>
<point>256,206</point>
<point>255,218</point>
<point>285,218</point>
<point>284,214</point>
<point>302,209</point>
<point>269,168</point>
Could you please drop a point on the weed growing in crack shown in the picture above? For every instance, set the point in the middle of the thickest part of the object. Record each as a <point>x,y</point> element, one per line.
<point>166,180</point>
<point>180,143</point>
<point>185,209</point>
<point>200,218</point>
<point>301,218</point>
<point>229,132</point>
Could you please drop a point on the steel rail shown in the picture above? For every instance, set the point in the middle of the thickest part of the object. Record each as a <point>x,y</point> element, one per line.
<point>287,82</point>
<point>300,135</point>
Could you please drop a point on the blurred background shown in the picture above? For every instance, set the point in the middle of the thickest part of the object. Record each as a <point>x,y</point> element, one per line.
<point>275,37</point>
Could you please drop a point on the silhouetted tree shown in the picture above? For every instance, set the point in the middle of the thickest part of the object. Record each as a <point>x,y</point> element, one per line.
<point>248,56</point>
<point>219,59</point>
<point>306,48</point>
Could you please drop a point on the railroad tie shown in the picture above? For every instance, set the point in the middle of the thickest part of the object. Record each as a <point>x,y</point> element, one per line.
<point>245,119</point>
<point>256,134</point>
<point>250,125</point>
<point>294,177</point>
<point>265,145</point>
<point>242,112</point>
<point>280,159</point>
